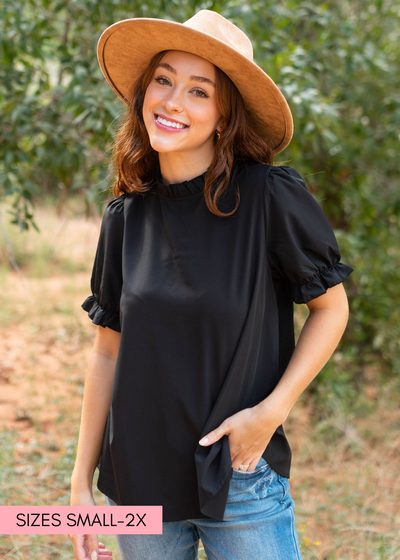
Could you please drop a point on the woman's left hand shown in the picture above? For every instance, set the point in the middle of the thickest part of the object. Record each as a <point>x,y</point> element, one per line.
<point>249,431</point>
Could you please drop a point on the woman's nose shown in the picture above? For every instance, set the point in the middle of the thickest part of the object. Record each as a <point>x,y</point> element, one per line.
<point>174,101</point>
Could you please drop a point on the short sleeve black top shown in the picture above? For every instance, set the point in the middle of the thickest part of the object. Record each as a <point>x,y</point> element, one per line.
<point>204,305</point>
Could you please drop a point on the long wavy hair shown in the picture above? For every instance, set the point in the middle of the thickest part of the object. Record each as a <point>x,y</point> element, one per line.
<point>137,164</point>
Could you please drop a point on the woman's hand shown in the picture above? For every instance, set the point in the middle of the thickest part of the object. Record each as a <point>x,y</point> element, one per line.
<point>249,432</point>
<point>87,547</point>
<point>83,544</point>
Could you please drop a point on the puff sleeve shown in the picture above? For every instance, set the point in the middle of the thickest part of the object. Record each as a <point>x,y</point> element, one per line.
<point>106,280</point>
<point>302,248</point>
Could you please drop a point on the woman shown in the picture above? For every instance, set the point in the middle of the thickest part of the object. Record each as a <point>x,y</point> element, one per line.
<point>200,257</point>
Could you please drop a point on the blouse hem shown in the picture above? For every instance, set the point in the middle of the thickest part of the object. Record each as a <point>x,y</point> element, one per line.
<point>278,470</point>
<point>318,285</point>
<point>105,490</point>
<point>100,316</point>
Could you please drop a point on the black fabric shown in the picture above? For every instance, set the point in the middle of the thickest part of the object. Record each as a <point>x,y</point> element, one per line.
<point>204,305</point>
<point>106,281</point>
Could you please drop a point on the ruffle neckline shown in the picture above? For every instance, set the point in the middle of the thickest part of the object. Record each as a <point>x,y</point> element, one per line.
<point>181,190</point>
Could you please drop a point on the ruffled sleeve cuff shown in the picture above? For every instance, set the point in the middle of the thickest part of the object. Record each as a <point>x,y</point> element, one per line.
<point>318,284</point>
<point>100,316</point>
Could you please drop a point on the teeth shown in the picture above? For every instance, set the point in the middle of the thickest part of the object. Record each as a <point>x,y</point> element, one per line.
<point>169,123</point>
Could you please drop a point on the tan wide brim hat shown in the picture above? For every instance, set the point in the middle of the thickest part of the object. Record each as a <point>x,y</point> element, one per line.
<point>125,49</point>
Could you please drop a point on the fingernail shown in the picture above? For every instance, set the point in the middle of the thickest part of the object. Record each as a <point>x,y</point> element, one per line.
<point>203,441</point>
<point>94,555</point>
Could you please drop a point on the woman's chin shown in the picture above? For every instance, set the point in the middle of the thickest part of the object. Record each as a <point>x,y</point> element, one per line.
<point>165,146</point>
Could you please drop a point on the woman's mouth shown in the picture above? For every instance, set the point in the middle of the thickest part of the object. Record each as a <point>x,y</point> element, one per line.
<point>168,126</point>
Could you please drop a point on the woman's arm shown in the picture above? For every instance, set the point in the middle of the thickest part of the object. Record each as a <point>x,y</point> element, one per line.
<point>318,339</point>
<point>250,430</point>
<point>96,404</point>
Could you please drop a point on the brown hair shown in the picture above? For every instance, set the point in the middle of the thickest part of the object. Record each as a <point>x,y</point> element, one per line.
<point>137,163</point>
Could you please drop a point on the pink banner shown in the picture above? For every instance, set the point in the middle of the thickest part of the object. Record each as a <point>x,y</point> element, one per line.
<point>81,520</point>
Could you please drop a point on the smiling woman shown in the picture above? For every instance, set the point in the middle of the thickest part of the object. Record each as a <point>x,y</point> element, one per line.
<point>201,255</point>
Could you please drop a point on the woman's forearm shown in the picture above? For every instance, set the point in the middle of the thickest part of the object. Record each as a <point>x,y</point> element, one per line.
<point>95,407</point>
<point>319,337</point>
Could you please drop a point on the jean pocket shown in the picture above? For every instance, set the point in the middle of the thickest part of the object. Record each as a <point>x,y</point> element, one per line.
<point>254,485</point>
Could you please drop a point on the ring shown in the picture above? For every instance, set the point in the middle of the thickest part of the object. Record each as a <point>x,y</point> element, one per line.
<point>241,467</point>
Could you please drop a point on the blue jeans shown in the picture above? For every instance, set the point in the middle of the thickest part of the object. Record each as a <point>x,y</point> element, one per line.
<point>259,524</point>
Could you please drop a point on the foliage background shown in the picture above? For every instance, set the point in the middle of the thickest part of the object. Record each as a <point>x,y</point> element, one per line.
<point>337,62</point>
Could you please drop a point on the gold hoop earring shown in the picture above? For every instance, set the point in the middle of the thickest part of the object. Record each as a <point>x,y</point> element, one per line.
<point>218,134</point>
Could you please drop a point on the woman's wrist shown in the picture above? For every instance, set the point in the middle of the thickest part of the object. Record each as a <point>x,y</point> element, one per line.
<point>274,406</point>
<point>81,482</point>
<point>81,498</point>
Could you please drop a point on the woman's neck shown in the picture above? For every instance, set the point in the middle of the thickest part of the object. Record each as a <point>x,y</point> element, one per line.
<point>179,167</point>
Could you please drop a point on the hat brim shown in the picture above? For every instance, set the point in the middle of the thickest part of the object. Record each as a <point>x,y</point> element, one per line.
<point>125,49</point>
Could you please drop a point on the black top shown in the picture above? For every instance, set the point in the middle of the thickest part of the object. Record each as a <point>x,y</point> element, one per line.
<point>204,305</point>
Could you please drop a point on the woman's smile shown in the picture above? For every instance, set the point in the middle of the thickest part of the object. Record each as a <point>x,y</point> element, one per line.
<point>169,125</point>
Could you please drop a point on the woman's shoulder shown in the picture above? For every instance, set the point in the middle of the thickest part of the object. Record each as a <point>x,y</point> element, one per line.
<point>115,206</point>
<point>113,217</point>
<point>271,178</point>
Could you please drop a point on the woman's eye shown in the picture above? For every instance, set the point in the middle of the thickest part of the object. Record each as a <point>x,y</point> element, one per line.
<point>201,92</point>
<point>161,80</point>
<point>164,81</point>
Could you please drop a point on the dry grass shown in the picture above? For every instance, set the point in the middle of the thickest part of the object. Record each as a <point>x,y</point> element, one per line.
<point>345,473</point>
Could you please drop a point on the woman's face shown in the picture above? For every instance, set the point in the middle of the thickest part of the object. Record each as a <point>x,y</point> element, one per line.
<point>180,108</point>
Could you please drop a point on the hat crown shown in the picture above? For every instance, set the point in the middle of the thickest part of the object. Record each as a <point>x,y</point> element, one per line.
<point>217,26</point>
